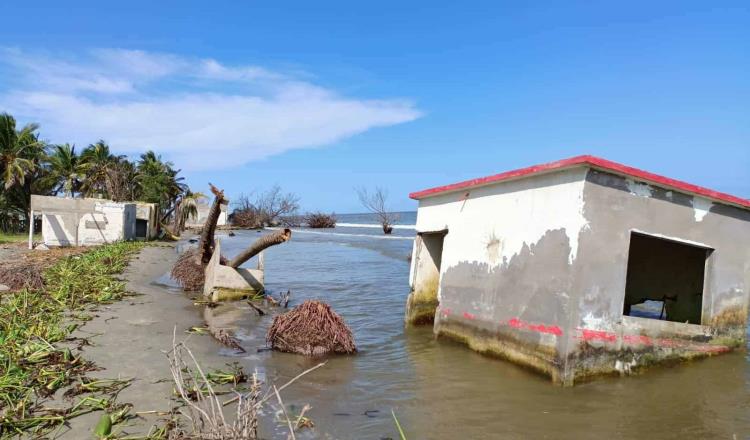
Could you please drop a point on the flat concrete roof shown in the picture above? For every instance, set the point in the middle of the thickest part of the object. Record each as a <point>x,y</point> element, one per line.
<point>591,162</point>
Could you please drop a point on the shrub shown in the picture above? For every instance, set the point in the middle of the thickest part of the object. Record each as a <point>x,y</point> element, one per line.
<point>320,220</point>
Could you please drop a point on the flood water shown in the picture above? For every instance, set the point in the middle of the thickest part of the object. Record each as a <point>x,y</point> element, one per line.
<point>442,390</point>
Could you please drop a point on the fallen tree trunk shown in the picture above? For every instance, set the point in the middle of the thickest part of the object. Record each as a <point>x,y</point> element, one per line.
<point>263,242</point>
<point>207,243</point>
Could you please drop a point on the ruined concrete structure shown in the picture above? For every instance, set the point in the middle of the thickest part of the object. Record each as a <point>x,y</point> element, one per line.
<point>224,283</point>
<point>203,208</point>
<point>70,221</point>
<point>582,267</point>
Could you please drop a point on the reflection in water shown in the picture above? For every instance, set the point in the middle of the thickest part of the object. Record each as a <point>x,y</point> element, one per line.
<point>442,390</point>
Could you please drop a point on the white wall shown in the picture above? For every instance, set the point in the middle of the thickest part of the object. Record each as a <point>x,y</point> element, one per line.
<point>494,223</point>
<point>84,223</point>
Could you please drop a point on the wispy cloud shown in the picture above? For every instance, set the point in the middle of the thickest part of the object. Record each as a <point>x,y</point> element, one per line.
<point>201,113</point>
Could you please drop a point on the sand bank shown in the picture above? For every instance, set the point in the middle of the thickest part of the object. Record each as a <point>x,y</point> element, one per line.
<point>130,338</point>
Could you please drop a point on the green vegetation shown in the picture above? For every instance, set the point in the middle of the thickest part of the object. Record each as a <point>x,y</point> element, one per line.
<point>33,324</point>
<point>18,237</point>
<point>28,165</point>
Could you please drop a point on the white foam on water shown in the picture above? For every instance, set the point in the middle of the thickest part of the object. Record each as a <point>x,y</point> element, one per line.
<point>365,225</point>
<point>381,237</point>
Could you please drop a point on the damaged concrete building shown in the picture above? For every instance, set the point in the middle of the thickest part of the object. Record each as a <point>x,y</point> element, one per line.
<point>203,208</point>
<point>70,221</point>
<point>582,267</point>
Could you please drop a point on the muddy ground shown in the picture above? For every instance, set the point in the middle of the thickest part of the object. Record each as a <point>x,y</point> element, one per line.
<point>129,339</point>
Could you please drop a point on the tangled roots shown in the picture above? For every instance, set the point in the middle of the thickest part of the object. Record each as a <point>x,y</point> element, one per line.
<point>311,329</point>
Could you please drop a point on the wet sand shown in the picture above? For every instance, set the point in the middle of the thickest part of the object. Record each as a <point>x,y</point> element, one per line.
<point>130,337</point>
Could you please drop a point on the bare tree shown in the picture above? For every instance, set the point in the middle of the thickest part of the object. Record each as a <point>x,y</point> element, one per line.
<point>275,204</point>
<point>375,202</point>
<point>266,209</point>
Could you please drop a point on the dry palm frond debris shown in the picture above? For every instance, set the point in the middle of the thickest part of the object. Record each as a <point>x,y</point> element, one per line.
<point>311,329</point>
<point>19,276</point>
<point>205,412</point>
<point>188,271</point>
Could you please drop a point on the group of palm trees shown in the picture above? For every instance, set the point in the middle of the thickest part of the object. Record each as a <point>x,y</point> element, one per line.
<point>31,166</point>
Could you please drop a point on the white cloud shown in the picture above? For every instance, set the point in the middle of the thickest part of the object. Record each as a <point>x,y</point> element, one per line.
<point>198,112</point>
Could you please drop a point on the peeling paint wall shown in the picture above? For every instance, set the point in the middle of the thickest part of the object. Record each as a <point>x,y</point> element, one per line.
<point>603,340</point>
<point>534,270</point>
<point>507,262</point>
<point>423,298</point>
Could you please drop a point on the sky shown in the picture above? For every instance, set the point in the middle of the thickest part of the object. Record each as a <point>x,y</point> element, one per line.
<point>324,97</point>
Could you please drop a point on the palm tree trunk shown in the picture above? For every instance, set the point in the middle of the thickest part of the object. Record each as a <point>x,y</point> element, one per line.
<point>263,242</point>
<point>206,245</point>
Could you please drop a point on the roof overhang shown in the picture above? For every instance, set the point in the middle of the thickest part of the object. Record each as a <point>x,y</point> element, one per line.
<point>591,162</point>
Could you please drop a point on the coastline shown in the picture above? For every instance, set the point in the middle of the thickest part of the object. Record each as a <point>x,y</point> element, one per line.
<point>129,338</point>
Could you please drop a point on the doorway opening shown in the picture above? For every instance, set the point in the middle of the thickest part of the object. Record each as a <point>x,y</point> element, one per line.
<point>423,299</point>
<point>665,279</point>
<point>141,229</point>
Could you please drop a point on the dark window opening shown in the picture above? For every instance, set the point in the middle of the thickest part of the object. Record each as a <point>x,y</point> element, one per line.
<point>665,279</point>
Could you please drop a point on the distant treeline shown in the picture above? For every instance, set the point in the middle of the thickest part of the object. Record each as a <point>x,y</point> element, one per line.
<point>29,165</point>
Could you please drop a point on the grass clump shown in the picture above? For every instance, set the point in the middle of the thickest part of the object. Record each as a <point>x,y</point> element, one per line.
<point>32,321</point>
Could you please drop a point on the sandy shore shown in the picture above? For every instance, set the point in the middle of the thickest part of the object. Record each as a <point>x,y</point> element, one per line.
<point>130,337</point>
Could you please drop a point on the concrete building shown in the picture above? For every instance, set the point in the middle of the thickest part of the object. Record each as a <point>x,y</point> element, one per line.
<point>582,267</point>
<point>88,221</point>
<point>200,219</point>
<point>146,221</point>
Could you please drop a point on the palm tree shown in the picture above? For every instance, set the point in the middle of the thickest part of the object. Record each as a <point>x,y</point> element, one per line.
<point>186,208</point>
<point>65,169</point>
<point>96,163</point>
<point>159,183</point>
<point>20,151</point>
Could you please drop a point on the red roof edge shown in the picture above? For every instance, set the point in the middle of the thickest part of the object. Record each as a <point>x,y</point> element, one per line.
<point>592,161</point>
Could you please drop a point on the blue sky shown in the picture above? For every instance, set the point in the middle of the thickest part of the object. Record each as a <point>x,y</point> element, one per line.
<point>321,97</point>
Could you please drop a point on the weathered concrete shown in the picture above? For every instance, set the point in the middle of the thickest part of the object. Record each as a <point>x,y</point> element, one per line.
<point>200,219</point>
<point>226,283</point>
<point>147,220</point>
<point>425,273</point>
<point>83,222</point>
<point>534,270</point>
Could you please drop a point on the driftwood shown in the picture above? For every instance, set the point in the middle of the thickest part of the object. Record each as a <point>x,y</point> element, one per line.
<point>263,242</point>
<point>207,243</point>
<point>311,329</point>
